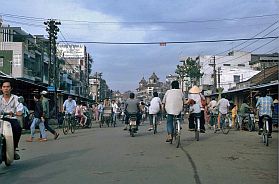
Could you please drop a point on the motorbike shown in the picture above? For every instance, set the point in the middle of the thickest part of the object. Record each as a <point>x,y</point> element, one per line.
<point>6,142</point>
<point>249,122</point>
<point>133,124</point>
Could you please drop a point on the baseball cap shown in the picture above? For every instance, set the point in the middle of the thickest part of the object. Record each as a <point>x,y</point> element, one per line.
<point>43,92</point>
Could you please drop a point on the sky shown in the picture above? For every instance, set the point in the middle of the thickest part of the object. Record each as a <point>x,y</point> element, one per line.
<point>149,21</point>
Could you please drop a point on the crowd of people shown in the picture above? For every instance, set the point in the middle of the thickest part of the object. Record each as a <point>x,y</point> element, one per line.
<point>173,104</point>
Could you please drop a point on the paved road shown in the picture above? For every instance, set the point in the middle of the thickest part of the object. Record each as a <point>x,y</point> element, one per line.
<point>110,155</point>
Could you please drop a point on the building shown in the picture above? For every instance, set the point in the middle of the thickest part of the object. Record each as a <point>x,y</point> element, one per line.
<point>229,70</point>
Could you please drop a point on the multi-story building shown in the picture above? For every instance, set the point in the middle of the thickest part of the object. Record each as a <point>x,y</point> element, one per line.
<point>77,65</point>
<point>229,69</point>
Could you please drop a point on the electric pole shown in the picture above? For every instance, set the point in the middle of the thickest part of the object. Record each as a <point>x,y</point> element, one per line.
<point>219,74</point>
<point>53,71</point>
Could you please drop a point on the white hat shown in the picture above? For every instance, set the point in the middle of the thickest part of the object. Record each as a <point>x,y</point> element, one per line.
<point>43,92</point>
<point>275,101</point>
<point>195,90</point>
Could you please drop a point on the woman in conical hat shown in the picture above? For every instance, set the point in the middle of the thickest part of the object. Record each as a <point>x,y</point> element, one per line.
<point>195,90</point>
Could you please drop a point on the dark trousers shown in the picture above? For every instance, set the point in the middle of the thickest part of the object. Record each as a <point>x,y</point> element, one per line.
<point>48,127</point>
<point>269,122</point>
<point>192,119</point>
<point>16,131</point>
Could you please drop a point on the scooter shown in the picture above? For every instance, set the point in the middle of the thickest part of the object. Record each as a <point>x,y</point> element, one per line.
<point>133,124</point>
<point>6,142</point>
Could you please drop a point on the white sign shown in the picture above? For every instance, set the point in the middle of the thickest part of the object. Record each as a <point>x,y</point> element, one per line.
<point>71,51</point>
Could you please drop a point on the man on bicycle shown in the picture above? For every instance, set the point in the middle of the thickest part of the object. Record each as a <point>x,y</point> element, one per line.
<point>154,108</point>
<point>264,105</point>
<point>173,105</point>
<point>223,105</point>
<point>69,106</point>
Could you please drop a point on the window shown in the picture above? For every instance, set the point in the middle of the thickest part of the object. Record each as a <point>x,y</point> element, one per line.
<point>226,64</point>
<point>241,65</point>
<point>236,78</point>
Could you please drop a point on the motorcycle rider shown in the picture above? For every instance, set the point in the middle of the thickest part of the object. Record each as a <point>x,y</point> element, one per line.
<point>9,105</point>
<point>132,107</point>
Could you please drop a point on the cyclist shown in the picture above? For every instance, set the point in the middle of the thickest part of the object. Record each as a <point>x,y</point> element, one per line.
<point>244,112</point>
<point>154,108</point>
<point>9,104</point>
<point>173,105</point>
<point>194,109</point>
<point>69,106</point>
<point>212,110</point>
<point>196,95</point>
<point>265,104</point>
<point>132,107</point>
<point>223,105</point>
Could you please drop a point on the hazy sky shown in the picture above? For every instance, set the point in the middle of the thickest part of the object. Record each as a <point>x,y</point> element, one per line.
<point>142,21</point>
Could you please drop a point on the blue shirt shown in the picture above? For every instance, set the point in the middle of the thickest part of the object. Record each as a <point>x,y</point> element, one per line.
<point>264,104</point>
<point>70,106</point>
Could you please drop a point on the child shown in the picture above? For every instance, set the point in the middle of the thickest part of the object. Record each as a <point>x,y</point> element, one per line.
<point>234,114</point>
<point>195,110</point>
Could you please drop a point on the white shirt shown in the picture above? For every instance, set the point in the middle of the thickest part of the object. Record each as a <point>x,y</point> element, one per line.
<point>12,105</point>
<point>196,98</point>
<point>195,108</point>
<point>173,101</point>
<point>155,104</point>
<point>114,107</point>
<point>223,105</point>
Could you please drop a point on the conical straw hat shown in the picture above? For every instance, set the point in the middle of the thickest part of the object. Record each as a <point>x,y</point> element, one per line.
<point>275,101</point>
<point>195,89</point>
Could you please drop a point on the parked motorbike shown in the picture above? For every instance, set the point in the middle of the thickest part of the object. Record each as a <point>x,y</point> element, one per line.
<point>6,142</point>
<point>133,124</point>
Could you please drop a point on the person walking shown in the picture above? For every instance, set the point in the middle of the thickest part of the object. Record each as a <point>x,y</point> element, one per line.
<point>45,104</point>
<point>173,104</point>
<point>38,120</point>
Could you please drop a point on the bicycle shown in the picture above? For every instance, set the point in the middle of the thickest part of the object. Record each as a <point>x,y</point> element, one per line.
<point>176,131</point>
<point>154,123</point>
<point>68,124</point>
<point>265,131</point>
<point>225,123</point>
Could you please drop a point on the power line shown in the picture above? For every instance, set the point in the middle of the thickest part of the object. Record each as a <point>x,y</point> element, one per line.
<point>140,22</point>
<point>171,42</point>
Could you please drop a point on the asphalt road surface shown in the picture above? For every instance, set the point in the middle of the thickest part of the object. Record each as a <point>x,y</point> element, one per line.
<point>110,155</point>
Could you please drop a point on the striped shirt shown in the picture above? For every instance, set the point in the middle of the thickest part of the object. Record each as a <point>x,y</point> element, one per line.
<point>264,104</point>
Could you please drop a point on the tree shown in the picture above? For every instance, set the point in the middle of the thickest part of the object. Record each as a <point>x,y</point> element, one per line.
<point>190,68</point>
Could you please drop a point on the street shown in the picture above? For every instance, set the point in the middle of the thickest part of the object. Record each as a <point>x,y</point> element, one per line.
<point>110,155</point>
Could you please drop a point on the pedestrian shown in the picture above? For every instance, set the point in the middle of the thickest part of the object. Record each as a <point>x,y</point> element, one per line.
<point>173,104</point>
<point>9,105</point>
<point>45,104</point>
<point>38,120</point>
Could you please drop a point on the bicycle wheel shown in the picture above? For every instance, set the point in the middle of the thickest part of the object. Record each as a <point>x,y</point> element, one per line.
<point>265,132</point>
<point>65,126</point>
<point>154,125</point>
<point>225,126</point>
<point>178,134</point>
<point>72,126</point>
<point>197,135</point>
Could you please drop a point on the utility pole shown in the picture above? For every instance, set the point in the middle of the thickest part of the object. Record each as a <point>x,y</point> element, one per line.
<point>214,75</point>
<point>52,29</point>
<point>219,74</point>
